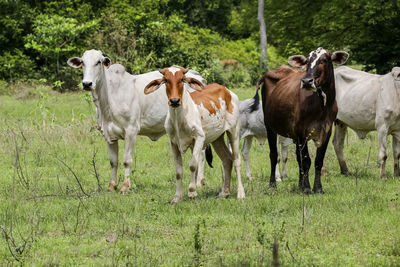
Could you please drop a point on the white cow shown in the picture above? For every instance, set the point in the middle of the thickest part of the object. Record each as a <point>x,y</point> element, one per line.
<point>252,125</point>
<point>197,119</point>
<point>123,111</point>
<point>368,102</point>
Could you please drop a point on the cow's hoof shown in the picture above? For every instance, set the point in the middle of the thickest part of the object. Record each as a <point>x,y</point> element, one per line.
<point>223,195</point>
<point>284,178</point>
<point>272,185</point>
<point>124,189</point>
<point>192,195</point>
<point>241,195</point>
<point>250,177</point>
<point>345,173</point>
<point>112,187</point>
<point>318,191</point>
<point>176,199</point>
<point>306,191</point>
<point>201,183</point>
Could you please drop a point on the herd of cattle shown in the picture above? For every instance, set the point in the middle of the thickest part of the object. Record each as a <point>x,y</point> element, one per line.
<point>298,104</point>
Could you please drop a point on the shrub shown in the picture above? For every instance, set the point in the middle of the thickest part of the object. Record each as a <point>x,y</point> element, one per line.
<point>4,89</point>
<point>16,66</point>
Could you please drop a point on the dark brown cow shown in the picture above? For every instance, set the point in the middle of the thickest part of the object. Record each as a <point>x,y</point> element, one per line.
<point>300,104</point>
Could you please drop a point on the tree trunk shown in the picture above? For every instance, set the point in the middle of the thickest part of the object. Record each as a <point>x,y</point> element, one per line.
<point>263,35</point>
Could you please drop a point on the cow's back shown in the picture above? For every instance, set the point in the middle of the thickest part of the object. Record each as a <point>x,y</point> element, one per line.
<point>280,100</point>
<point>356,96</point>
<point>218,108</point>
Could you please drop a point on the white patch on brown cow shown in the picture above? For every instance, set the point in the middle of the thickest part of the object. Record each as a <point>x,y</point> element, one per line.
<point>319,52</point>
<point>173,70</point>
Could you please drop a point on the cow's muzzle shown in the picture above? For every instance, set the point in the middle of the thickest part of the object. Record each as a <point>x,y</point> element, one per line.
<point>87,86</point>
<point>308,83</point>
<point>174,102</point>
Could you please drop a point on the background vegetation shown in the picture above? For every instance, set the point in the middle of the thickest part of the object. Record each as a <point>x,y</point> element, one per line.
<point>54,168</point>
<point>37,37</point>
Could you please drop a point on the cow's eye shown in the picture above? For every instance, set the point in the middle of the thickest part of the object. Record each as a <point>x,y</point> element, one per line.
<point>98,62</point>
<point>182,80</point>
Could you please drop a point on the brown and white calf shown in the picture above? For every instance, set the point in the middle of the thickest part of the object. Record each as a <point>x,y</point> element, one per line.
<point>197,119</point>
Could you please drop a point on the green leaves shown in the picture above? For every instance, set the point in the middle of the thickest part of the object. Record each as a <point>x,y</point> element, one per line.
<point>53,34</point>
<point>366,28</point>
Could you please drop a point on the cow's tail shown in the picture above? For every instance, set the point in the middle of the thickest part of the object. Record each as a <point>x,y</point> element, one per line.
<point>256,97</point>
<point>209,155</point>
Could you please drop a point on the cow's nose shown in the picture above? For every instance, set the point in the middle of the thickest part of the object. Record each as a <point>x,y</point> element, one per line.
<point>174,102</point>
<point>87,85</point>
<point>307,81</point>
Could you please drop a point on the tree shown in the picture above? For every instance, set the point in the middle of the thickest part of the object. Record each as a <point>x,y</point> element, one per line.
<point>263,35</point>
<point>368,29</point>
<point>54,36</point>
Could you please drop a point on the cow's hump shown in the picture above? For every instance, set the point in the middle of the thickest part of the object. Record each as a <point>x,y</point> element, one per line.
<point>279,73</point>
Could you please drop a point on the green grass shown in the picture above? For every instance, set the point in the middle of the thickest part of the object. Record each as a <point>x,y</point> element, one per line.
<point>355,223</point>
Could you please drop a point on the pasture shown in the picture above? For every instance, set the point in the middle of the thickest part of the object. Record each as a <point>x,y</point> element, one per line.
<point>55,210</point>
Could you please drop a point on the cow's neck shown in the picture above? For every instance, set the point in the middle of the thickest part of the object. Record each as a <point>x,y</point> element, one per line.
<point>328,87</point>
<point>182,119</point>
<point>102,94</point>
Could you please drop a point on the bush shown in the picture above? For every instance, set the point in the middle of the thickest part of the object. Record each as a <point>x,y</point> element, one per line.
<point>16,66</point>
<point>4,89</point>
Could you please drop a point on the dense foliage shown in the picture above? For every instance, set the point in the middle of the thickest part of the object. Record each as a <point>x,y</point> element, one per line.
<point>37,37</point>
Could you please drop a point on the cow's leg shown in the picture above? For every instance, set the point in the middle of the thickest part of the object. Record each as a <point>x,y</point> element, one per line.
<point>179,173</point>
<point>200,181</point>
<point>113,155</point>
<point>193,165</point>
<point>396,153</point>
<point>130,140</point>
<point>382,140</point>
<point>319,162</point>
<point>273,155</point>
<point>226,157</point>
<point>246,155</point>
<point>234,140</point>
<point>304,161</point>
<point>323,170</point>
<point>277,173</point>
<point>285,152</point>
<point>338,144</point>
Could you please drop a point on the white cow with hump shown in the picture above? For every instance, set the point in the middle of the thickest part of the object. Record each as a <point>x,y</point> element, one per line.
<point>252,126</point>
<point>368,102</point>
<point>122,109</point>
<point>197,119</point>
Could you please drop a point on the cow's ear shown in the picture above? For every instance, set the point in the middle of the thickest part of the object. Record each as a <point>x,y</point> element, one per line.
<point>193,83</point>
<point>75,62</point>
<point>153,85</point>
<point>340,57</point>
<point>297,61</point>
<point>106,62</point>
<point>396,73</point>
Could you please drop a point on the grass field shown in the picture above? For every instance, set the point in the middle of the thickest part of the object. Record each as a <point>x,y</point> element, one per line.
<point>48,142</point>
